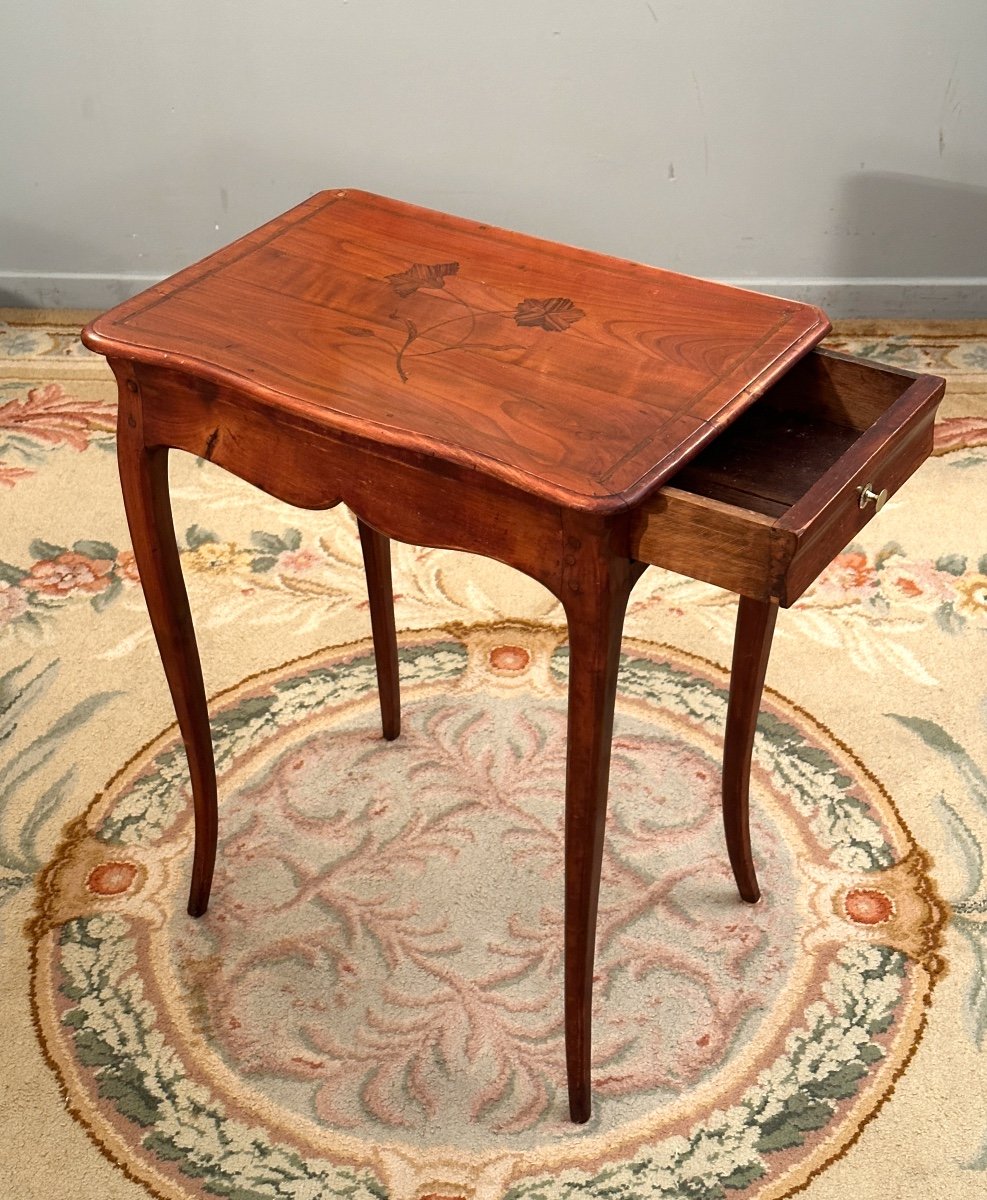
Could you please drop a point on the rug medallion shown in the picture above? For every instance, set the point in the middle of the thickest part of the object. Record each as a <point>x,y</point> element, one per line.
<point>372,1005</point>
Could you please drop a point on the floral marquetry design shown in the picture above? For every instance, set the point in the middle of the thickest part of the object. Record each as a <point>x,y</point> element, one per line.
<point>554,315</point>
<point>419,275</point>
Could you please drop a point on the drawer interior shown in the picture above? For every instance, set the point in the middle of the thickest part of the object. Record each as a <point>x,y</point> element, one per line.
<point>768,458</point>
<point>775,495</point>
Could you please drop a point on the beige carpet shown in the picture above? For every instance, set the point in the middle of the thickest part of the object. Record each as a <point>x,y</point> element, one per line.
<point>371,1008</point>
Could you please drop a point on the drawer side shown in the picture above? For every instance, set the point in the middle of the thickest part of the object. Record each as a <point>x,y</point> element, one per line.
<point>718,543</point>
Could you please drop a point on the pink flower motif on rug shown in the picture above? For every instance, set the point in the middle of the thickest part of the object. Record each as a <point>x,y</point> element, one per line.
<point>299,562</point>
<point>69,572</point>
<point>13,603</point>
<point>848,579</point>
<point>127,566</point>
<point>916,582</point>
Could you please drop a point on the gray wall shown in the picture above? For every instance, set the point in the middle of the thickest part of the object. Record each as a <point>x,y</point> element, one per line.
<point>828,149</point>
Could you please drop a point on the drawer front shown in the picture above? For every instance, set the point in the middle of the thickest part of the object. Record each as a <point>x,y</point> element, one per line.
<point>765,518</point>
<point>830,515</point>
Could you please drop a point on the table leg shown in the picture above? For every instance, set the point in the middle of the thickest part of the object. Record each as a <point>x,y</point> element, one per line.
<point>377,564</point>
<point>144,480</point>
<point>751,647</point>
<point>596,617</point>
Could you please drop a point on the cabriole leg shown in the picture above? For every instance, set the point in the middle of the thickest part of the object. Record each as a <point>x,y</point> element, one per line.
<point>596,616</point>
<point>377,564</point>
<point>751,648</point>
<point>144,480</point>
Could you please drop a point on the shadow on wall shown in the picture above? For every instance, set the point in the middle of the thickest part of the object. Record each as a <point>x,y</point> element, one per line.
<point>895,227</point>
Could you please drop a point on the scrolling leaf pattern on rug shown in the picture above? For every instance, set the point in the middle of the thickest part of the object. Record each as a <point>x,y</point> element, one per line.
<point>44,418</point>
<point>447,1006</point>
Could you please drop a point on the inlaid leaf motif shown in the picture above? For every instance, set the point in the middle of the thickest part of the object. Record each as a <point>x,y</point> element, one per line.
<point>422,275</point>
<point>555,314</point>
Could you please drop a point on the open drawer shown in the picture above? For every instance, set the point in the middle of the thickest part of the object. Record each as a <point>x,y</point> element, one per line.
<point>781,491</point>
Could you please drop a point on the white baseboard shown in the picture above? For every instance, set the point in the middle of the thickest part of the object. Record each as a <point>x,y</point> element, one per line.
<point>69,289</point>
<point>929,298</point>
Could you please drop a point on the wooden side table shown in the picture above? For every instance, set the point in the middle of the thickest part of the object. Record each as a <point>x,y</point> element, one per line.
<point>575,416</point>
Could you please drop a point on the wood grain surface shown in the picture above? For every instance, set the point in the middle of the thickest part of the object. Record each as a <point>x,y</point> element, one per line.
<point>582,378</point>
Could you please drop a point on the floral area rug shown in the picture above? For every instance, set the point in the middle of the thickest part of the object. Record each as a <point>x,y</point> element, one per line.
<point>372,1005</point>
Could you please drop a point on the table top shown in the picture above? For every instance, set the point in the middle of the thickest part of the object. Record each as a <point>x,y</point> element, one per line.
<point>582,378</point>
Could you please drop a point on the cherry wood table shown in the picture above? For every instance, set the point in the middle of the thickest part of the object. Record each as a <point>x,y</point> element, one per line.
<point>575,416</point>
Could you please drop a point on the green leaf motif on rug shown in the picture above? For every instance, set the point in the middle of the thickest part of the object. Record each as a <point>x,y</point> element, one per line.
<point>271,544</point>
<point>42,549</point>
<point>145,1082</point>
<point>196,536</point>
<point>20,860</point>
<point>969,903</point>
<point>94,549</point>
<point>954,564</point>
